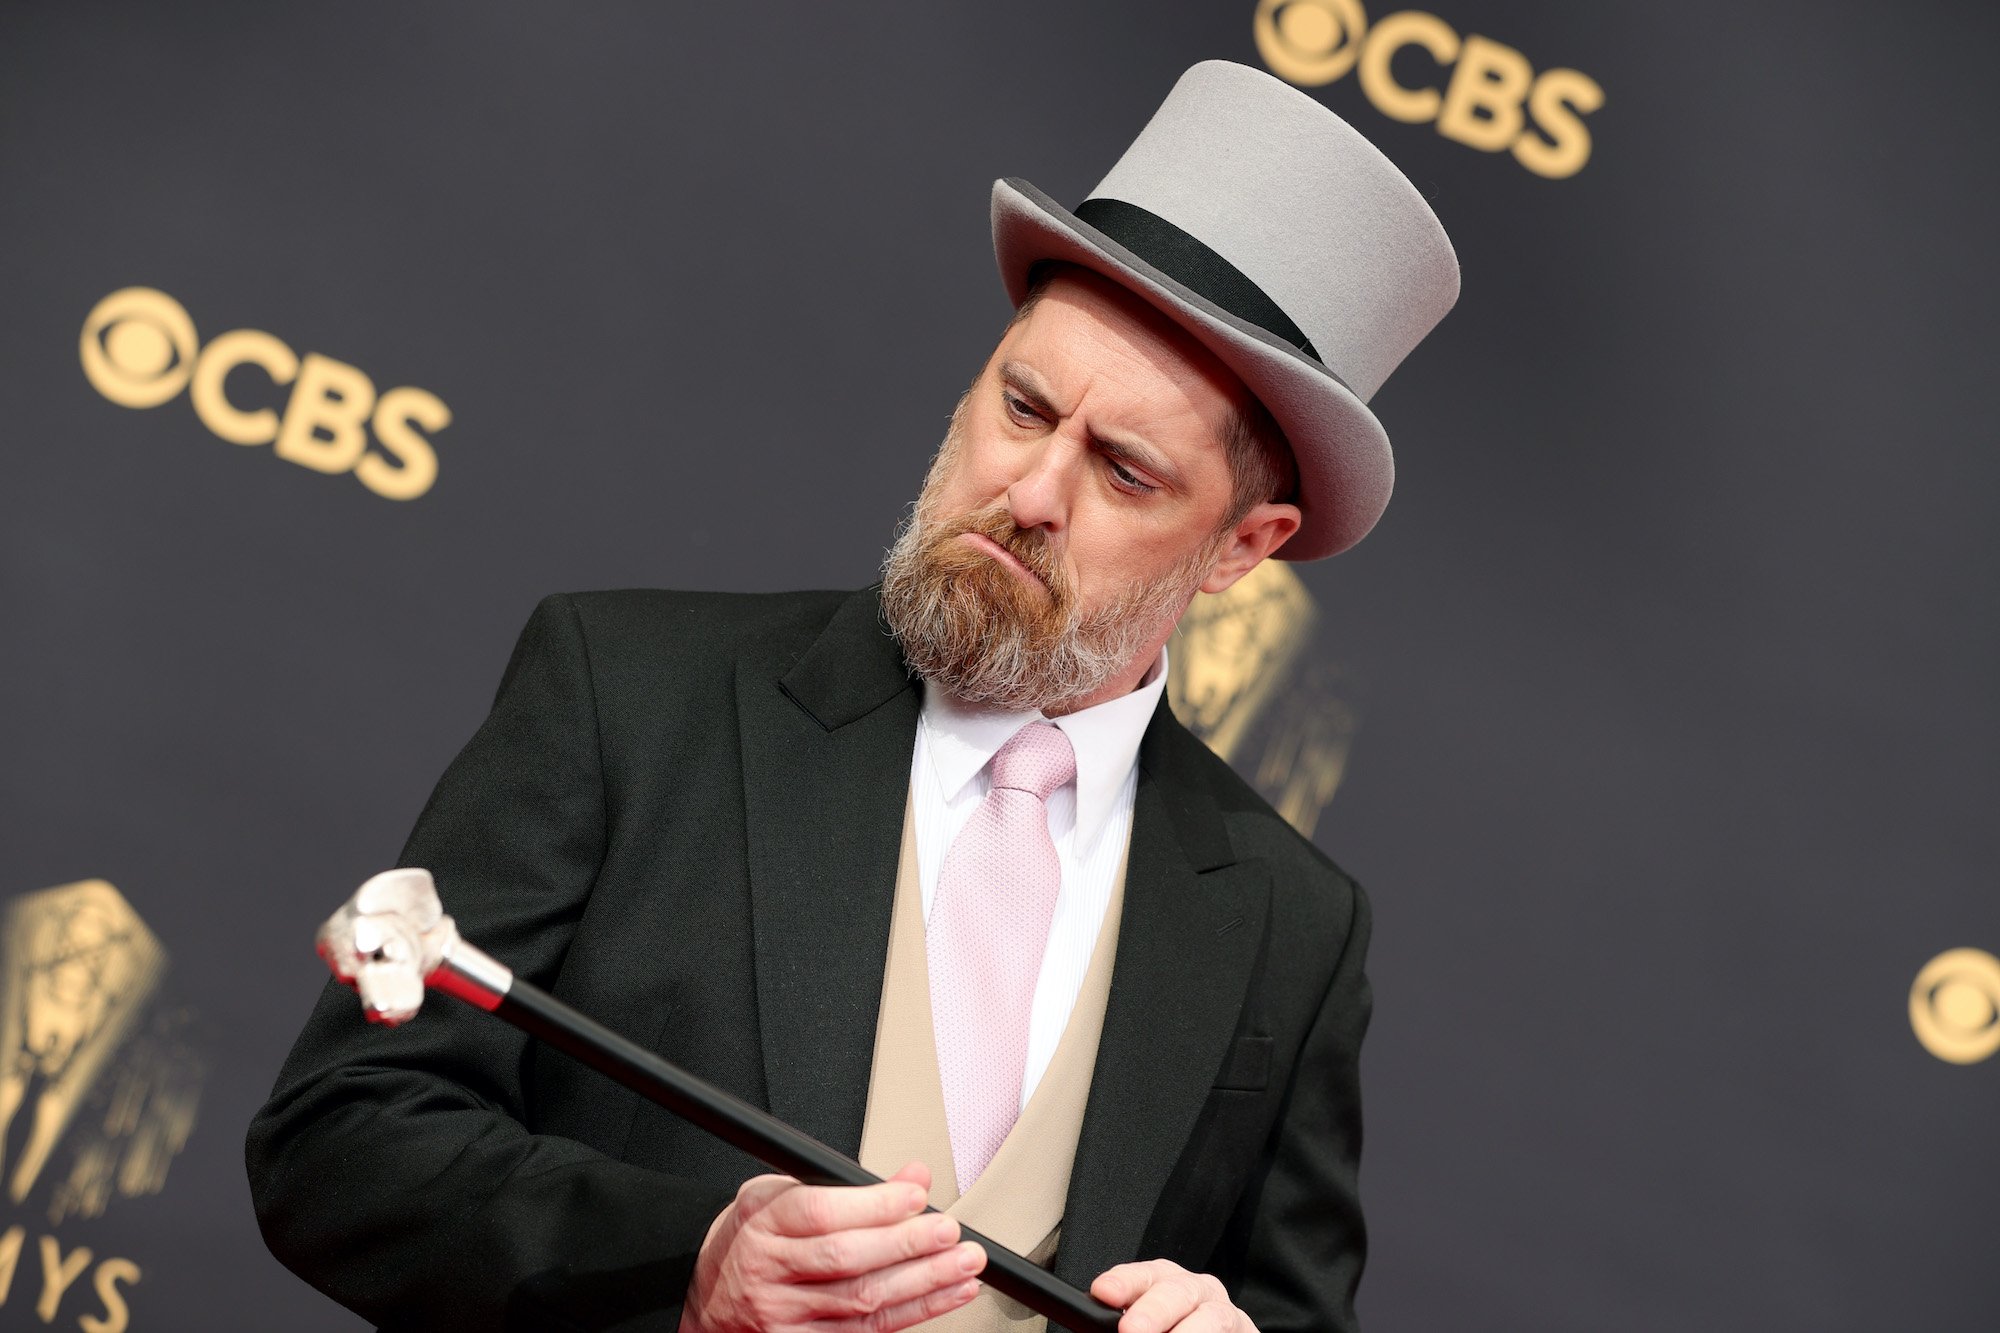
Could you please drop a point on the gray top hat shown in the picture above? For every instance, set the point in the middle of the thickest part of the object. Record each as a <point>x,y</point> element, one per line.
<point>1288,245</point>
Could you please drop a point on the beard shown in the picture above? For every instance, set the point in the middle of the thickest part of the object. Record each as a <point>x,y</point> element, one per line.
<point>985,635</point>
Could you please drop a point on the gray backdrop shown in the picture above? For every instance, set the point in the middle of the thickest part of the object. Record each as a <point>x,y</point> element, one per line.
<point>1672,663</point>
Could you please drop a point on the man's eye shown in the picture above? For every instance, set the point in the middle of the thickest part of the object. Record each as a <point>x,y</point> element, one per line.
<point>1019,410</point>
<point>1127,480</point>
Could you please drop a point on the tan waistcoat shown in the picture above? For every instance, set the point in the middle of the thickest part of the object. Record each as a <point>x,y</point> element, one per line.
<point>1018,1199</point>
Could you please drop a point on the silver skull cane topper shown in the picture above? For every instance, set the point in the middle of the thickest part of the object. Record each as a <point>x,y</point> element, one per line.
<point>392,938</point>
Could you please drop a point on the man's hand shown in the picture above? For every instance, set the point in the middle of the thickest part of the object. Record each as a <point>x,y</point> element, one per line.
<point>1157,1296</point>
<point>863,1258</point>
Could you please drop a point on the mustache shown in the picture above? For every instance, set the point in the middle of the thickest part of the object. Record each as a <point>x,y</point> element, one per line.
<point>1031,546</point>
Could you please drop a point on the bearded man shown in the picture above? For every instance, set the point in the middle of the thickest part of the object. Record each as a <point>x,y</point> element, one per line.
<point>930,871</point>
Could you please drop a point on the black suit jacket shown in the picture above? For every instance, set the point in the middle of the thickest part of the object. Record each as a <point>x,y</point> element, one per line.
<point>683,817</point>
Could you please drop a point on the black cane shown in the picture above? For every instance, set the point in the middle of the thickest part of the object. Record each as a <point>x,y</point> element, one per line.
<point>392,939</point>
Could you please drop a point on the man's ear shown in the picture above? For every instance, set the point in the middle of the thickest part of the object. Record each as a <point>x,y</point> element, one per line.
<point>1261,531</point>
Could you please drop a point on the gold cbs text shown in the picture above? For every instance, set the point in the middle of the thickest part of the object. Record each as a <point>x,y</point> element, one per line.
<point>139,350</point>
<point>1488,102</point>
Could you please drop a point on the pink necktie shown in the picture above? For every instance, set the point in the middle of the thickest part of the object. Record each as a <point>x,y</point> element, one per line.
<point>988,926</point>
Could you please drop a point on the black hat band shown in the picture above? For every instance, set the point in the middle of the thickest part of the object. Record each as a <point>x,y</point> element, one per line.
<point>1193,265</point>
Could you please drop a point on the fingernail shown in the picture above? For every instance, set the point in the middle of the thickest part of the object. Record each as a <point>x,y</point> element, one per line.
<point>970,1257</point>
<point>945,1232</point>
<point>914,1198</point>
<point>966,1292</point>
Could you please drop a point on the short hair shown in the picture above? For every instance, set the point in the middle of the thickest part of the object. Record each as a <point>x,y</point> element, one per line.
<point>1261,465</point>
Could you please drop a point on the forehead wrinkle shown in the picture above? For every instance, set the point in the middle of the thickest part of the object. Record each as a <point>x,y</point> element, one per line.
<point>1177,385</point>
<point>1171,409</point>
<point>1026,378</point>
<point>1030,380</point>
<point>1085,344</point>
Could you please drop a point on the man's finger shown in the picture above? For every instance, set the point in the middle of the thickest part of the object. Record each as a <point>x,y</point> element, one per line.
<point>899,1284</point>
<point>756,1193</point>
<point>1162,1306</point>
<point>850,1253</point>
<point>930,1305</point>
<point>1209,1317</point>
<point>814,1210</point>
<point>1122,1285</point>
<point>1156,1295</point>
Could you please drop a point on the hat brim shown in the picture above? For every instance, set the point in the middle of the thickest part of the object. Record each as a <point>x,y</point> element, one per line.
<point>1346,470</point>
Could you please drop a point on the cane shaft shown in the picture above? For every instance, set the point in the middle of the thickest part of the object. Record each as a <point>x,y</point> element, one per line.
<point>771,1140</point>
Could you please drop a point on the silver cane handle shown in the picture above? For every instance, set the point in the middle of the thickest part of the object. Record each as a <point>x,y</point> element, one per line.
<point>392,939</point>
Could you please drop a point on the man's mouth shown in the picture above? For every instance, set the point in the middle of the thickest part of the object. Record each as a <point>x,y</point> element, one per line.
<point>1006,558</point>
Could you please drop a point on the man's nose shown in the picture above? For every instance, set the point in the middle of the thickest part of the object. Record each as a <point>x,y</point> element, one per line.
<point>1039,497</point>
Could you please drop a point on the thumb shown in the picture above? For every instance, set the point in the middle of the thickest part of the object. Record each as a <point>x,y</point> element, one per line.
<point>1122,1285</point>
<point>755,1194</point>
<point>916,1173</point>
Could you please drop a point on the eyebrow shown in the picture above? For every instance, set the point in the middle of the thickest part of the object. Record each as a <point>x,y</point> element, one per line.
<point>1024,380</point>
<point>1028,383</point>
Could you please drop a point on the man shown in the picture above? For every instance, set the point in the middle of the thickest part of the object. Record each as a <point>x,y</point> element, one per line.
<point>961,897</point>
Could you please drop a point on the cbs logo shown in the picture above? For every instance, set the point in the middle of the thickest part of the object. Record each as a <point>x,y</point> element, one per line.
<point>139,350</point>
<point>1955,1005</point>
<point>1491,96</point>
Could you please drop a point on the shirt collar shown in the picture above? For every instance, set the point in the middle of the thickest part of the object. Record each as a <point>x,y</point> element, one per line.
<point>963,739</point>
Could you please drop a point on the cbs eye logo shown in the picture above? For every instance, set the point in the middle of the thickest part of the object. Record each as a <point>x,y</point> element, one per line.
<point>1487,103</point>
<point>139,349</point>
<point>1955,1006</point>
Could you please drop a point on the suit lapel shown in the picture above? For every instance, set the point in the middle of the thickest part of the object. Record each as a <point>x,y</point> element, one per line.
<point>826,761</point>
<point>1186,947</point>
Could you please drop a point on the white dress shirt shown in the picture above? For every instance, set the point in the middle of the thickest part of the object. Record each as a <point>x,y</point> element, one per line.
<point>1090,820</point>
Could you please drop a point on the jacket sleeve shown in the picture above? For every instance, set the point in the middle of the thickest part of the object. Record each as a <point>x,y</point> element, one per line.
<point>393,1169</point>
<point>1298,1237</point>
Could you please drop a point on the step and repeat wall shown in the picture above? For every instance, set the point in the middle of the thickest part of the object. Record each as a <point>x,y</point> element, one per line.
<point>1658,715</point>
